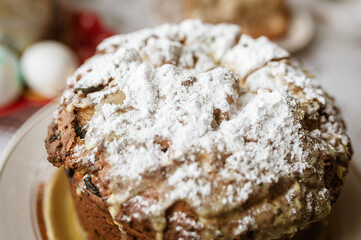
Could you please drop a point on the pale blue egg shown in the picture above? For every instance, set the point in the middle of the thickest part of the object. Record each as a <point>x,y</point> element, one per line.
<point>10,77</point>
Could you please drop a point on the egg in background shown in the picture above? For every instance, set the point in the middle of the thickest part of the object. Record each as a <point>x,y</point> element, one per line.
<point>46,65</point>
<point>10,77</point>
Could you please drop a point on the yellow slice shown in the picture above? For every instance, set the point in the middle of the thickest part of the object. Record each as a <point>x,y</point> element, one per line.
<point>59,211</point>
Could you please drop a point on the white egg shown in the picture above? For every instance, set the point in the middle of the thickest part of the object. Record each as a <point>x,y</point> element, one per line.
<point>46,65</point>
<point>10,83</point>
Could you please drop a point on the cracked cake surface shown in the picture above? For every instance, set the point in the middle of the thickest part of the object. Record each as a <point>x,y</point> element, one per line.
<point>197,131</point>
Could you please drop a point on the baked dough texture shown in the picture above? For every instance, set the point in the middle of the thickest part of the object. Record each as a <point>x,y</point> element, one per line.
<point>198,131</point>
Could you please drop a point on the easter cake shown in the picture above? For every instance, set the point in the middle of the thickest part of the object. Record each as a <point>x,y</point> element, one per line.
<point>197,131</point>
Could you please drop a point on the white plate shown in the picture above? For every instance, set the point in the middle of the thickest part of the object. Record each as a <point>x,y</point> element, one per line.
<point>25,165</point>
<point>300,32</point>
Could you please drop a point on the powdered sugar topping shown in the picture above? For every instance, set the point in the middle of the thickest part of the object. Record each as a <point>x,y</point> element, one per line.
<point>207,114</point>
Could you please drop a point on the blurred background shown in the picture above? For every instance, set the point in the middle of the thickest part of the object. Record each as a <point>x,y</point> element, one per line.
<point>43,41</point>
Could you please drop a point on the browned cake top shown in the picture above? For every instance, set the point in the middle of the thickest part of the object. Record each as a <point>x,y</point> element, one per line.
<point>205,115</point>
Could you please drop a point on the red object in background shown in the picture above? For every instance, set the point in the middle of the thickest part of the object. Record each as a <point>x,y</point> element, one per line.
<point>85,32</point>
<point>28,99</point>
